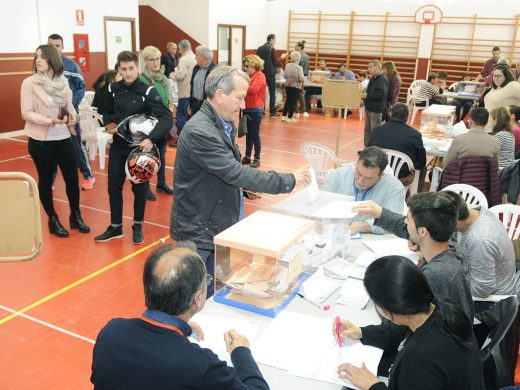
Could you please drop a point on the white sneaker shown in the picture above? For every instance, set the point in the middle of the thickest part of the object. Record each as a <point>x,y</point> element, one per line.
<point>306,115</point>
<point>284,118</point>
<point>290,120</point>
<point>296,115</point>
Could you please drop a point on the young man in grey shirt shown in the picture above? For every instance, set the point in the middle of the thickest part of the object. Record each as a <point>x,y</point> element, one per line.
<point>484,242</point>
<point>430,222</point>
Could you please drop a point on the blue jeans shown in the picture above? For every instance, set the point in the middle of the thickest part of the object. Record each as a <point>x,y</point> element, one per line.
<point>182,113</point>
<point>209,259</point>
<point>465,105</point>
<point>254,118</point>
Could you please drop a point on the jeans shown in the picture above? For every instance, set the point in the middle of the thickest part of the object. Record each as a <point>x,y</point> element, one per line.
<point>254,118</point>
<point>209,259</point>
<point>46,156</point>
<point>81,153</point>
<point>271,84</point>
<point>116,179</point>
<point>372,120</point>
<point>182,113</point>
<point>465,105</point>
<point>291,97</point>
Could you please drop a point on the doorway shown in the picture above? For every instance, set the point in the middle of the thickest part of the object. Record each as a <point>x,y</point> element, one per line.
<point>231,44</point>
<point>119,36</point>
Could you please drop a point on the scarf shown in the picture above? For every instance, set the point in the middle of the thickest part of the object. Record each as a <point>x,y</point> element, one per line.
<point>160,77</point>
<point>54,87</point>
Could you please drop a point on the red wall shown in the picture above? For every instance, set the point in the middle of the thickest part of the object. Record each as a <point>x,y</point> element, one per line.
<point>10,96</point>
<point>156,30</point>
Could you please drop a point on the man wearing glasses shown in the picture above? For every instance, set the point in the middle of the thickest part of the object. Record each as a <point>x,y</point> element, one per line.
<point>209,175</point>
<point>154,352</point>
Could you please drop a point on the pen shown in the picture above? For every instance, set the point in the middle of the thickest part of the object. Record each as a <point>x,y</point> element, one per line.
<point>327,307</point>
<point>338,331</point>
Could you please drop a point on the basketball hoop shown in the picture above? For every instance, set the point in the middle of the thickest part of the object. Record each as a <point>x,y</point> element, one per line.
<point>428,14</point>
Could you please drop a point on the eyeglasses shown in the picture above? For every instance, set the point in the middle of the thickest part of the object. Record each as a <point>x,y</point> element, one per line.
<point>498,76</point>
<point>209,280</point>
<point>153,59</point>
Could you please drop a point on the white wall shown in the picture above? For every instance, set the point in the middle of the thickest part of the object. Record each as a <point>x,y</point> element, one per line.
<point>40,18</point>
<point>191,16</point>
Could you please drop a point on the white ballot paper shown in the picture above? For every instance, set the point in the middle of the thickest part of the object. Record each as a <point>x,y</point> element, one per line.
<point>214,328</point>
<point>313,188</point>
<point>286,345</point>
<point>337,209</point>
<point>394,246</point>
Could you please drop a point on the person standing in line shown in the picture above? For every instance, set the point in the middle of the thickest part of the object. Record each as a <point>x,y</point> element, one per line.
<point>293,85</point>
<point>375,98</point>
<point>183,78</point>
<point>304,63</point>
<point>267,53</point>
<point>130,96</point>
<point>77,85</point>
<point>153,76</point>
<point>170,59</point>
<point>46,104</point>
<point>394,80</point>
<point>252,65</point>
<point>201,71</point>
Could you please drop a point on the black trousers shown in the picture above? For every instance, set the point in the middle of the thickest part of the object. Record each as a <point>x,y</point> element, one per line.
<point>254,118</point>
<point>291,98</point>
<point>46,156</point>
<point>116,179</point>
<point>271,84</point>
<point>195,105</point>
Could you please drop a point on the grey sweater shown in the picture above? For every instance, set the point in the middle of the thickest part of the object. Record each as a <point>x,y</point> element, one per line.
<point>445,272</point>
<point>490,255</point>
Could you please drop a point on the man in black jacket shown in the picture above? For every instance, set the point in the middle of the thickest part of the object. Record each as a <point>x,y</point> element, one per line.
<point>154,352</point>
<point>267,52</point>
<point>130,96</point>
<point>209,175</point>
<point>201,71</point>
<point>375,98</point>
<point>397,135</point>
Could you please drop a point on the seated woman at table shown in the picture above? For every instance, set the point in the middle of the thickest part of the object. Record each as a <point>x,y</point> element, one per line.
<point>459,104</point>
<point>501,120</point>
<point>430,90</point>
<point>434,338</point>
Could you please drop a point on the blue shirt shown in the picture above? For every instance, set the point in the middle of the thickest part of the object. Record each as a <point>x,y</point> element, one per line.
<point>72,72</point>
<point>388,192</point>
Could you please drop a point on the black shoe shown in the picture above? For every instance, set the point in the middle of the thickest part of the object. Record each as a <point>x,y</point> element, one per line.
<point>273,114</point>
<point>165,189</point>
<point>137,236</point>
<point>109,234</point>
<point>246,160</point>
<point>150,195</point>
<point>76,222</point>
<point>56,228</point>
<point>255,163</point>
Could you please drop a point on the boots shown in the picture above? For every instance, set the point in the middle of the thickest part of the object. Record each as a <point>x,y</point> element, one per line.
<point>56,228</point>
<point>76,222</point>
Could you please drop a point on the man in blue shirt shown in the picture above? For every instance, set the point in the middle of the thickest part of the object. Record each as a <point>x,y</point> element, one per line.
<point>153,351</point>
<point>77,86</point>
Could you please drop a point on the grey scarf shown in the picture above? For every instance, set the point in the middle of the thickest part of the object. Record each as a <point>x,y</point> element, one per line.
<point>55,87</point>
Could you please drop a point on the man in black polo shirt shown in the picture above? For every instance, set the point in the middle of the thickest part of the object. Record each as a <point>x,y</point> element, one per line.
<point>130,96</point>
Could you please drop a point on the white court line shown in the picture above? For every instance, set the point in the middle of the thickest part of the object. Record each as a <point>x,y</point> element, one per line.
<point>17,140</point>
<point>108,212</point>
<point>15,158</point>
<point>68,332</point>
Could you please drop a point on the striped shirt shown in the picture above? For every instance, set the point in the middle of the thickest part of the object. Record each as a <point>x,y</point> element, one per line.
<point>427,91</point>
<point>198,83</point>
<point>507,148</point>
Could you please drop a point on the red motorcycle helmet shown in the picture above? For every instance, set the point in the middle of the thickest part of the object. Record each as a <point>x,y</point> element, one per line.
<point>141,166</point>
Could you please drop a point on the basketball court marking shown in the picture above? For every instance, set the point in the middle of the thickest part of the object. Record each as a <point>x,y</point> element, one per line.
<point>48,325</point>
<point>83,280</point>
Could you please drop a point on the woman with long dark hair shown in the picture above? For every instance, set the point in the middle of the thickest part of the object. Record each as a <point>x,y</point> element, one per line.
<point>394,80</point>
<point>434,338</point>
<point>46,104</point>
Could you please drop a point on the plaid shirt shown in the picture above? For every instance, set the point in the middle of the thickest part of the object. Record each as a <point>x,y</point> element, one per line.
<point>198,83</point>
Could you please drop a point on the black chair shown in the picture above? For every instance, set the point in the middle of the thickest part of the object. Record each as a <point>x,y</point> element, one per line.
<point>499,355</point>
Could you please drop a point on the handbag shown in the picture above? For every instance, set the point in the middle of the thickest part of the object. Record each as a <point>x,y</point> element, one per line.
<point>242,126</point>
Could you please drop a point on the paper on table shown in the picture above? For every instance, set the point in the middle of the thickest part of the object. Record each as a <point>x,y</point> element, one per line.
<point>313,188</point>
<point>337,209</point>
<point>319,287</point>
<point>214,328</point>
<point>394,246</point>
<point>342,269</point>
<point>353,294</point>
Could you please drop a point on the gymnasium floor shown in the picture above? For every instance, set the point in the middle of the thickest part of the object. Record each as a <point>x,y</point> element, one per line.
<point>52,308</point>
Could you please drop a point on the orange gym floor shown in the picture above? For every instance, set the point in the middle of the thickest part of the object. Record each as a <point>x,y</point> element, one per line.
<point>52,308</point>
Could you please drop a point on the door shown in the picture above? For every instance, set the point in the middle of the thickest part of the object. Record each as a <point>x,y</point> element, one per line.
<point>119,36</point>
<point>231,44</point>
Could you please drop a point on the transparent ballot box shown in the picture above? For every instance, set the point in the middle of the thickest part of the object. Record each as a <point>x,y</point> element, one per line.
<point>470,88</point>
<point>318,76</point>
<point>259,262</point>
<point>437,121</point>
<point>331,213</point>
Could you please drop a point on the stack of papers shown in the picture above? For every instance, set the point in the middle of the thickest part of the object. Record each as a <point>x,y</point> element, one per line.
<point>319,287</point>
<point>353,294</point>
<point>214,328</point>
<point>342,269</point>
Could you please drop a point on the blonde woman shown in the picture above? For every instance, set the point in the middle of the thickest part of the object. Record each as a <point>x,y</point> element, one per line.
<point>154,76</point>
<point>253,65</point>
<point>46,103</point>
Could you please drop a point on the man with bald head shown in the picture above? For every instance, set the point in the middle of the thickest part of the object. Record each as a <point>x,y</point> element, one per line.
<point>154,352</point>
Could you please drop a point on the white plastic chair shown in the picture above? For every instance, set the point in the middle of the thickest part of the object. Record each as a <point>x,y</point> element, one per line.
<point>94,135</point>
<point>86,102</point>
<point>509,215</point>
<point>396,160</point>
<point>472,195</point>
<point>413,99</point>
<point>436,179</point>
<point>321,158</point>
